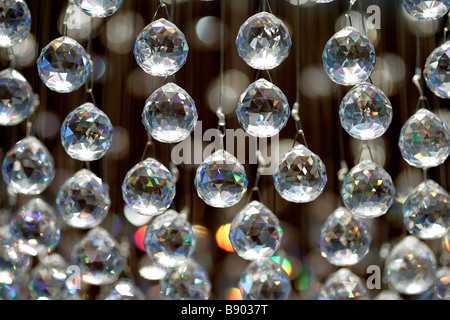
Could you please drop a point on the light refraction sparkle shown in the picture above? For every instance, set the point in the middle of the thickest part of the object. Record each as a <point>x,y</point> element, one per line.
<point>349,57</point>
<point>263,41</point>
<point>344,239</point>
<point>86,133</point>
<point>124,289</point>
<point>255,232</point>
<point>169,239</point>
<point>15,22</point>
<point>300,176</point>
<point>440,290</point>
<point>436,73</point>
<point>368,190</point>
<point>221,180</point>
<point>148,188</point>
<point>343,285</point>
<point>99,8</point>
<point>161,48</point>
<point>410,266</point>
<point>265,279</point>
<point>28,167</point>
<point>365,112</point>
<point>63,65</point>
<point>83,200</point>
<point>263,109</point>
<point>426,9</point>
<point>424,140</point>
<point>170,114</point>
<point>13,262</point>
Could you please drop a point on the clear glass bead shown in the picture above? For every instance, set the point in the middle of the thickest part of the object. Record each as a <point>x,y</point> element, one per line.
<point>440,290</point>
<point>99,8</point>
<point>436,72</point>
<point>263,109</point>
<point>426,9</point>
<point>255,232</point>
<point>28,167</point>
<point>263,41</point>
<point>221,180</point>
<point>161,48</point>
<point>17,97</point>
<point>149,188</point>
<point>15,22</point>
<point>170,114</point>
<point>410,266</point>
<point>169,239</point>
<point>343,285</point>
<point>388,295</point>
<point>124,289</point>
<point>424,140</point>
<point>368,190</point>
<point>86,133</point>
<point>344,239</point>
<point>83,200</point>
<point>365,112</point>
<point>300,176</point>
<point>13,262</point>
<point>349,57</point>
<point>64,65</point>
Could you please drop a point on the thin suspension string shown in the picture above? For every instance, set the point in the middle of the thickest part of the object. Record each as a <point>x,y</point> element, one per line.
<point>163,5</point>
<point>365,145</point>
<point>255,189</point>
<point>416,80</point>
<point>447,27</point>
<point>147,146</point>
<point>171,18</point>
<point>220,115</point>
<point>348,18</point>
<point>89,86</point>
<point>363,24</point>
<point>264,5</point>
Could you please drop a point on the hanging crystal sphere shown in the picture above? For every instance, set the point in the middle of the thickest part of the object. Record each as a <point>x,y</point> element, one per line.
<point>149,188</point>
<point>343,285</point>
<point>349,57</point>
<point>424,140</point>
<point>13,262</point>
<point>161,48</point>
<point>426,9</point>
<point>436,73</point>
<point>169,239</point>
<point>221,180</point>
<point>186,282</point>
<point>124,289</point>
<point>99,8</point>
<point>368,190</point>
<point>35,228</point>
<point>300,176</point>
<point>365,112</point>
<point>83,200</point>
<point>388,295</point>
<point>170,114</point>
<point>440,290</point>
<point>99,257</point>
<point>15,22</point>
<point>86,133</point>
<point>344,239</point>
<point>48,280</point>
<point>28,167</point>
<point>255,232</point>
<point>17,97</point>
<point>64,65</point>
<point>410,266</point>
<point>263,41</point>
<point>263,109</point>
<point>264,279</point>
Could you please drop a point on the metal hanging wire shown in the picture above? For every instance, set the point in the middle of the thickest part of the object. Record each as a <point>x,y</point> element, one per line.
<point>163,5</point>
<point>89,86</point>
<point>221,126</point>
<point>264,5</point>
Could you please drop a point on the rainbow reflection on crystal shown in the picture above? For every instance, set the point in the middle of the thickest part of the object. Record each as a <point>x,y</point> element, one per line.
<point>124,289</point>
<point>15,22</point>
<point>436,73</point>
<point>343,285</point>
<point>426,9</point>
<point>99,8</point>
<point>13,262</point>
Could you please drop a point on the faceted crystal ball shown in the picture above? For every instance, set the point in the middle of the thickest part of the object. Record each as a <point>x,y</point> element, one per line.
<point>365,112</point>
<point>13,262</point>
<point>17,97</point>
<point>99,257</point>
<point>99,8</point>
<point>349,57</point>
<point>170,114</point>
<point>161,48</point>
<point>83,200</point>
<point>15,22</point>
<point>35,228</point>
<point>424,140</point>
<point>28,168</point>
<point>368,190</point>
<point>148,188</point>
<point>255,232</point>
<point>221,180</point>
<point>64,65</point>
<point>263,41</point>
<point>440,290</point>
<point>169,239</point>
<point>124,289</point>
<point>344,239</point>
<point>426,9</point>
<point>86,133</point>
<point>301,175</point>
<point>388,295</point>
<point>437,71</point>
<point>343,285</point>
<point>263,109</point>
<point>186,282</point>
<point>410,266</point>
<point>264,279</point>
<point>426,211</point>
